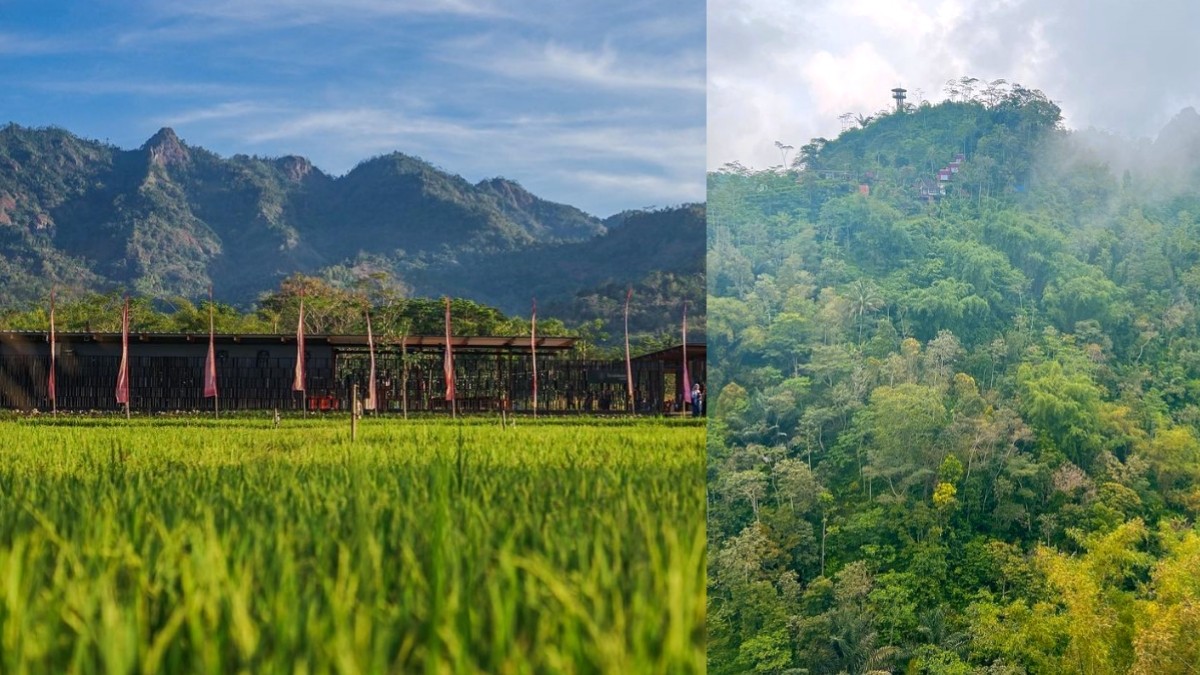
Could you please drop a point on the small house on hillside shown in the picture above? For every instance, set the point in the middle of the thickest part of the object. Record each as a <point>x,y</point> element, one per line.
<point>930,190</point>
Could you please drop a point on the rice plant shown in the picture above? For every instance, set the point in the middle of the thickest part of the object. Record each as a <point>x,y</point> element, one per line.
<point>427,546</point>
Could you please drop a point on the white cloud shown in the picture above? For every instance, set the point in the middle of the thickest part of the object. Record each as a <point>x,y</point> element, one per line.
<point>902,18</point>
<point>606,68</point>
<point>642,188</point>
<point>378,130</point>
<point>553,62</point>
<point>645,144</point>
<point>220,111</point>
<point>850,81</point>
<point>151,88</point>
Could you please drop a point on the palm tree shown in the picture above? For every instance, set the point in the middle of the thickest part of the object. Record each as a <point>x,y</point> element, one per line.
<point>865,299</point>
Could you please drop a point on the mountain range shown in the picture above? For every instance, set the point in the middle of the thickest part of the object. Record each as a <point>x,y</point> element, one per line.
<point>169,219</point>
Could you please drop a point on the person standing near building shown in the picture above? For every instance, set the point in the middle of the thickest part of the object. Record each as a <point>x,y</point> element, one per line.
<point>696,399</point>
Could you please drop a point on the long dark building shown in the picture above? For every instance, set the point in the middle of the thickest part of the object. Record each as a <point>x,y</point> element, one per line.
<point>255,372</point>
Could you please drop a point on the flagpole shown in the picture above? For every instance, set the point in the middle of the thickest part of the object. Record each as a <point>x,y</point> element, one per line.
<point>371,403</point>
<point>448,367</point>
<point>687,386</point>
<point>533,351</point>
<point>216,395</point>
<point>628,360</point>
<point>124,360</point>
<point>404,373</point>
<point>298,383</point>
<point>53,388</point>
<point>123,370</point>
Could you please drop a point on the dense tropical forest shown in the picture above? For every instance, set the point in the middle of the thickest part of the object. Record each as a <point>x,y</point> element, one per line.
<point>956,418</point>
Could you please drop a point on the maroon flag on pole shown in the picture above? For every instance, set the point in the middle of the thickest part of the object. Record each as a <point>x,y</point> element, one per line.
<point>298,380</point>
<point>628,360</point>
<point>687,385</point>
<point>448,365</point>
<point>210,362</point>
<point>123,373</point>
<point>370,403</point>
<point>533,351</point>
<point>52,388</point>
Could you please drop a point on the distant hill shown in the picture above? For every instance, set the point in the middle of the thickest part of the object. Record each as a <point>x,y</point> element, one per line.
<point>659,253</point>
<point>170,218</point>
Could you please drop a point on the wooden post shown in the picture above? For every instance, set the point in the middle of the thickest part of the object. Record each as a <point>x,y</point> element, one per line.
<point>404,377</point>
<point>498,389</point>
<point>354,412</point>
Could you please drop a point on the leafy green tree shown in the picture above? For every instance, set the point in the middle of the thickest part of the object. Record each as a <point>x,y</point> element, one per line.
<point>902,424</point>
<point>1063,407</point>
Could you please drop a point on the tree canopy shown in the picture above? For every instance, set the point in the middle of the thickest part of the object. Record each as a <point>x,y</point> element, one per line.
<point>956,422</point>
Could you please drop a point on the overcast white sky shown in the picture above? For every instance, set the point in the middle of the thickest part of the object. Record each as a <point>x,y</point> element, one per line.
<point>786,69</point>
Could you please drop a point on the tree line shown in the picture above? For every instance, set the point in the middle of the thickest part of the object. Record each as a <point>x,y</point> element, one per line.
<point>329,308</point>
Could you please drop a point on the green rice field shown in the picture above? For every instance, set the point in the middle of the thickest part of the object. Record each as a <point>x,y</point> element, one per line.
<point>427,546</point>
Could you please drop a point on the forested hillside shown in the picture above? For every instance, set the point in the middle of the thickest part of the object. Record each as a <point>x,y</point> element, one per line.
<point>659,254</point>
<point>168,219</point>
<point>956,419</point>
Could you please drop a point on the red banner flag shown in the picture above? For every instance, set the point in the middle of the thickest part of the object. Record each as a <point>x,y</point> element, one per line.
<point>51,386</point>
<point>448,365</point>
<point>533,351</point>
<point>298,380</point>
<point>687,385</point>
<point>628,360</point>
<point>123,373</point>
<point>370,403</point>
<point>210,362</point>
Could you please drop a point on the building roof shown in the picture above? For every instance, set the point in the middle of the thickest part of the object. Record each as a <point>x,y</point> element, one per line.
<point>696,350</point>
<point>511,343</point>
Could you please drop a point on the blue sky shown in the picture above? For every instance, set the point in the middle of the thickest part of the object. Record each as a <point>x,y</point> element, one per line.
<point>600,104</point>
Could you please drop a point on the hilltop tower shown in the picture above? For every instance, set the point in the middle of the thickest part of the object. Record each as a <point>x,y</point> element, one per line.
<point>898,94</point>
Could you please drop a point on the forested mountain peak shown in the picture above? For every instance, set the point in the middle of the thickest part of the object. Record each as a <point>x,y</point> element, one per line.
<point>1177,147</point>
<point>993,143</point>
<point>296,168</point>
<point>1185,125</point>
<point>397,164</point>
<point>165,148</point>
